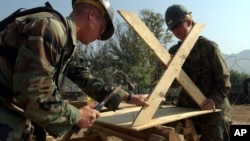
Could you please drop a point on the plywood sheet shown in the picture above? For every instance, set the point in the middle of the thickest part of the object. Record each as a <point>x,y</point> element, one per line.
<point>123,118</point>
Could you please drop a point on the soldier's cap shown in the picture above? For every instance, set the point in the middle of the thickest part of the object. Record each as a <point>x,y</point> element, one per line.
<point>175,14</point>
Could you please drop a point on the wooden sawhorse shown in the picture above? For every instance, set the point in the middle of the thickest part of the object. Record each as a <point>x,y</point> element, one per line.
<point>167,124</point>
<point>174,70</point>
<point>141,119</point>
<point>144,117</point>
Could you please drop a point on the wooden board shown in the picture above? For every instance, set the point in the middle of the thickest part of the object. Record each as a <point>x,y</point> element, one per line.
<point>174,70</point>
<point>123,118</point>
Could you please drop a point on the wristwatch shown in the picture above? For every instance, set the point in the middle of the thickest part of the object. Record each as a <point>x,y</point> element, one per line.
<point>129,98</point>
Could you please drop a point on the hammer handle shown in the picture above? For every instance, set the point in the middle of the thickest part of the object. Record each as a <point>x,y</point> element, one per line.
<point>76,129</point>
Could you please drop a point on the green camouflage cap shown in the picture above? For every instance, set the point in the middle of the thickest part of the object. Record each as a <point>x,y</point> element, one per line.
<point>174,14</point>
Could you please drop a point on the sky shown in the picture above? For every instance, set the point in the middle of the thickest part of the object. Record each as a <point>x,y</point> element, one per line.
<point>226,22</point>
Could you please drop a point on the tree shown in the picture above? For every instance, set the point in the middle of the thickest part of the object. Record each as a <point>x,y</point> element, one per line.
<point>237,77</point>
<point>131,54</point>
<point>127,52</point>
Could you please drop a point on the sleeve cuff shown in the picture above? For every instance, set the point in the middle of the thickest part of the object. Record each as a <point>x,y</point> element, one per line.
<point>115,101</point>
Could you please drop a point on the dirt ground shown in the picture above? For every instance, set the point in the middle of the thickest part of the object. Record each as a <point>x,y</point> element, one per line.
<point>239,114</point>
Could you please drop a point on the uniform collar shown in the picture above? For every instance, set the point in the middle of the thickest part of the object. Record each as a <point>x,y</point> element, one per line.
<point>72,30</point>
<point>195,47</point>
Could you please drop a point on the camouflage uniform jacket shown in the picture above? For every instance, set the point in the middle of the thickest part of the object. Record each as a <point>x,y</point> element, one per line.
<point>39,41</point>
<point>207,69</point>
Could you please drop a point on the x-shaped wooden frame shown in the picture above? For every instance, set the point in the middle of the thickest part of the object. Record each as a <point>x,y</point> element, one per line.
<point>174,70</point>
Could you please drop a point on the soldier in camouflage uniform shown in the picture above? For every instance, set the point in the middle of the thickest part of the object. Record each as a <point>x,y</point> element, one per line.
<point>42,47</point>
<point>207,69</point>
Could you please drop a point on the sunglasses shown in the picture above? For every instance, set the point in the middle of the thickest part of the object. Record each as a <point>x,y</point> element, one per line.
<point>177,25</point>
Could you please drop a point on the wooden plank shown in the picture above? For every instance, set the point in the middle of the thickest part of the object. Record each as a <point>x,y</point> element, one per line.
<point>146,35</point>
<point>110,130</point>
<point>169,133</point>
<point>131,135</point>
<point>155,137</point>
<point>192,135</point>
<point>190,88</point>
<point>123,118</point>
<point>146,113</point>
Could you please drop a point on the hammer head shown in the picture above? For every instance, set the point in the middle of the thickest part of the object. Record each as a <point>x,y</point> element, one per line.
<point>126,80</point>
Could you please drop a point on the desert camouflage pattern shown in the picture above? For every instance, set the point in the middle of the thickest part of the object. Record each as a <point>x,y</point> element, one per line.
<point>208,70</point>
<point>38,42</point>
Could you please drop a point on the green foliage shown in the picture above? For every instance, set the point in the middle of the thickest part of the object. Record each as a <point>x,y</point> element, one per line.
<point>126,51</point>
<point>131,53</point>
<point>237,77</point>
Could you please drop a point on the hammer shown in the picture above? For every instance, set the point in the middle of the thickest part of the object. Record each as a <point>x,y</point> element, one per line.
<point>76,129</point>
<point>126,80</point>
